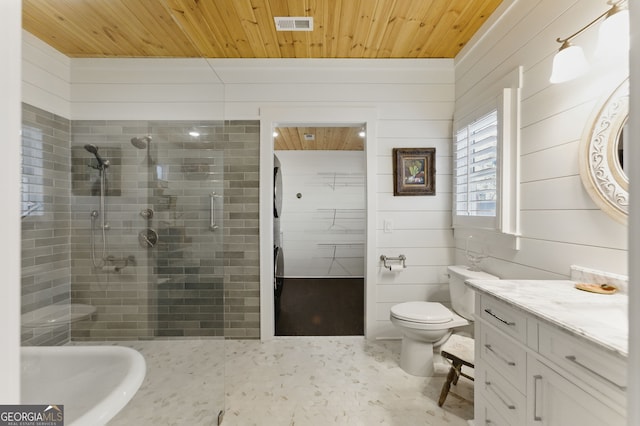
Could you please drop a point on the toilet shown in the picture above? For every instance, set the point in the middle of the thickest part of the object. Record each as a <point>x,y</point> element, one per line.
<point>428,324</point>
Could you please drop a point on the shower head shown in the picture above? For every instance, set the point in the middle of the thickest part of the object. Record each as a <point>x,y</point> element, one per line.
<point>141,142</point>
<point>91,148</point>
<point>102,164</point>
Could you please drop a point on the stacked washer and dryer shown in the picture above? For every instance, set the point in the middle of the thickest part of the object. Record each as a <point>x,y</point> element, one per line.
<point>278,253</point>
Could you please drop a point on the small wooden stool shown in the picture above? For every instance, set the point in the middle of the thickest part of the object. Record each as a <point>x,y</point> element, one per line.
<point>460,351</point>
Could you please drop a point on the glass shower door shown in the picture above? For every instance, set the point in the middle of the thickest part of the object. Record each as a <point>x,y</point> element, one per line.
<point>186,193</point>
<point>159,285</point>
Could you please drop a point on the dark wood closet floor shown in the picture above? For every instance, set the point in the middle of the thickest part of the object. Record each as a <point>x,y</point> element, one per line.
<point>321,307</point>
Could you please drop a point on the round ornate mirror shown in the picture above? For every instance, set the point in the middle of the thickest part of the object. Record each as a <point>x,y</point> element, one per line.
<point>602,155</point>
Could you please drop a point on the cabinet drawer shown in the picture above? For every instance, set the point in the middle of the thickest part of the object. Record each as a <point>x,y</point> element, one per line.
<point>593,365</point>
<point>504,400</point>
<point>486,415</point>
<point>505,318</point>
<point>503,354</point>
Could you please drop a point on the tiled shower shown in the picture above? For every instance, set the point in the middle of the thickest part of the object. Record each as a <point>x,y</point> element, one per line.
<point>46,223</point>
<point>164,272</point>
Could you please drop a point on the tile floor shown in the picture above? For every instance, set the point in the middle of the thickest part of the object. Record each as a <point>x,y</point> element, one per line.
<point>302,381</point>
<point>184,384</point>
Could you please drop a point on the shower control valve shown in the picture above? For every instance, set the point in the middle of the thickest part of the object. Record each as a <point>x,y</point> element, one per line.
<point>148,238</point>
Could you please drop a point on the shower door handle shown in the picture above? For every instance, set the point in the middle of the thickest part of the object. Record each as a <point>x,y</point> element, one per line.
<point>212,223</point>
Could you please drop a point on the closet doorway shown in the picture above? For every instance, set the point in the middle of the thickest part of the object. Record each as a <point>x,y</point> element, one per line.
<point>319,230</point>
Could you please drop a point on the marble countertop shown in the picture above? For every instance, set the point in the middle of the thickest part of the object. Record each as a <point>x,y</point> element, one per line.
<point>599,318</point>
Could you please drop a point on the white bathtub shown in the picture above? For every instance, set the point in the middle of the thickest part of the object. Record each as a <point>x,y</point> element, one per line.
<point>92,382</point>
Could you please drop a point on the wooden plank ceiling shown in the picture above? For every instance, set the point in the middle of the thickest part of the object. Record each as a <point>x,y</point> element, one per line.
<point>318,138</point>
<point>245,28</point>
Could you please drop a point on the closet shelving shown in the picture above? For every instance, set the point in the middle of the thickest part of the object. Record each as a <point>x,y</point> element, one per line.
<point>336,180</point>
<point>339,253</point>
<point>342,221</point>
<point>342,255</point>
<point>324,227</point>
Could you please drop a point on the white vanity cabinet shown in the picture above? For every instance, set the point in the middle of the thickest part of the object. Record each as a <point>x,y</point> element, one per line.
<point>553,400</point>
<point>531,373</point>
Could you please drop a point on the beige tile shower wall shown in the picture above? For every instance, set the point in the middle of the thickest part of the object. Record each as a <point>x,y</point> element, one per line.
<point>560,224</point>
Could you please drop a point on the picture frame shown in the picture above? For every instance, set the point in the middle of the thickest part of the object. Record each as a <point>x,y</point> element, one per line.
<point>414,171</point>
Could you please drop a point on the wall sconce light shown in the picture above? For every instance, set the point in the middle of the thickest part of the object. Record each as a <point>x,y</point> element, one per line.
<point>613,37</point>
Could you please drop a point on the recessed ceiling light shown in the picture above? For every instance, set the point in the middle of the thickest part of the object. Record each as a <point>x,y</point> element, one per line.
<point>275,134</point>
<point>362,133</point>
<point>194,133</point>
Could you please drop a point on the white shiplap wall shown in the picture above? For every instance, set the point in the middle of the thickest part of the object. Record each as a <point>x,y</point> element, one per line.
<point>46,75</point>
<point>560,224</point>
<point>145,89</point>
<point>414,104</point>
<point>119,89</point>
<point>414,100</point>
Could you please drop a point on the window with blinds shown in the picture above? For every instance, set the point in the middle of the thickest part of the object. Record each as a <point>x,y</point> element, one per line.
<point>476,158</point>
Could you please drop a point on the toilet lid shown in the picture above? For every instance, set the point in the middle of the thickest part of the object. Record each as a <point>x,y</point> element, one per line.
<point>428,312</point>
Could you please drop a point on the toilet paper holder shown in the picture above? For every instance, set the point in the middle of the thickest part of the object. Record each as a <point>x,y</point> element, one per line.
<point>402,258</point>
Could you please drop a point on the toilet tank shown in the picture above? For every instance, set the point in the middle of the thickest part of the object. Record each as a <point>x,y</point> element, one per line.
<point>462,297</point>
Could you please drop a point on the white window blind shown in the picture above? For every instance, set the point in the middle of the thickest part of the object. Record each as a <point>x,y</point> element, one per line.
<point>475,167</point>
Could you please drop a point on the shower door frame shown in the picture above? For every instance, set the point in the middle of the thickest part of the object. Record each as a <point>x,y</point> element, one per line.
<point>314,116</point>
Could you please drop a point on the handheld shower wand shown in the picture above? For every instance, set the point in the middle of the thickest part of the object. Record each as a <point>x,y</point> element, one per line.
<point>102,163</point>
<point>102,166</point>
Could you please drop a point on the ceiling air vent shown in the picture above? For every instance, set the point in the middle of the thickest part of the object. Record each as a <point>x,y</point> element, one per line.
<point>294,23</point>
<point>309,137</point>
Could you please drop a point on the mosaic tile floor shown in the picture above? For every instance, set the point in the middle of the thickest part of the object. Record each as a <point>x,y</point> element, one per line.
<point>183,384</point>
<point>290,381</point>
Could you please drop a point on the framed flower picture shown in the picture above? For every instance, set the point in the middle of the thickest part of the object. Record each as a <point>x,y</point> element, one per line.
<point>414,171</point>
